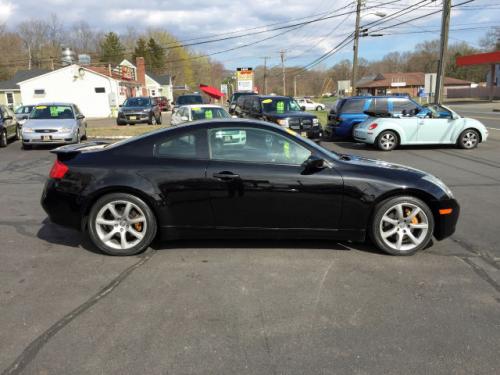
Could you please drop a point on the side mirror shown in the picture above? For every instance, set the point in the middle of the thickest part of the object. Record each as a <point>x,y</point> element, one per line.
<point>313,164</point>
<point>80,117</point>
<point>184,118</point>
<point>302,108</point>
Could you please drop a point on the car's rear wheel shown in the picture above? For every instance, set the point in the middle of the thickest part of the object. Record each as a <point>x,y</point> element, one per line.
<point>121,224</point>
<point>402,225</point>
<point>469,139</point>
<point>319,108</point>
<point>387,141</point>
<point>3,138</point>
<point>152,119</point>
<point>18,133</point>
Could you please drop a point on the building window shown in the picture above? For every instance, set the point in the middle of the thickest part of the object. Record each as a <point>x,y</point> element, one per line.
<point>100,90</point>
<point>10,98</point>
<point>153,93</point>
<point>39,91</point>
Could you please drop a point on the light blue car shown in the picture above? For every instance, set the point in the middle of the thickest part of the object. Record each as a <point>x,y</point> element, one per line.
<point>436,125</point>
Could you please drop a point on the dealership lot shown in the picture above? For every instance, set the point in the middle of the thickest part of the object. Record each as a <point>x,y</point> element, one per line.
<point>255,307</point>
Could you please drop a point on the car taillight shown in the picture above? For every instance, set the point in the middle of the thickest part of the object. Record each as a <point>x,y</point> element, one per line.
<point>58,170</point>
<point>372,126</point>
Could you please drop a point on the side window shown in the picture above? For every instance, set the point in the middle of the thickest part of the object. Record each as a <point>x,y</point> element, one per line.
<point>255,145</point>
<point>400,105</point>
<point>187,145</point>
<point>379,105</point>
<point>353,106</point>
<point>256,105</point>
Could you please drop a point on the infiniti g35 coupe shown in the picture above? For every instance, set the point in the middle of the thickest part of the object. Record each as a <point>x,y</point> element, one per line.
<point>197,181</point>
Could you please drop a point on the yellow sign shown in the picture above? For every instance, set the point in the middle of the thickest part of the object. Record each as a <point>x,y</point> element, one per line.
<point>267,101</point>
<point>41,106</point>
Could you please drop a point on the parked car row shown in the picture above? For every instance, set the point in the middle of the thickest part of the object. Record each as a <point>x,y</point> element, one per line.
<point>390,121</point>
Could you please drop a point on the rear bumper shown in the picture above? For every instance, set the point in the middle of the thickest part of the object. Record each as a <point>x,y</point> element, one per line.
<point>445,225</point>
<point>63,208</point>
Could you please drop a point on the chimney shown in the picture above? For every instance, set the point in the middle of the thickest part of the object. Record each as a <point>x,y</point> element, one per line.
<point>141,74</point>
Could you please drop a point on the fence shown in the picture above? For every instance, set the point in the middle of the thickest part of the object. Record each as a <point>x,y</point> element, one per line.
<point>473,92</point>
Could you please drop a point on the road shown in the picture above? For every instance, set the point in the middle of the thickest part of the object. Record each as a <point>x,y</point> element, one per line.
<point>253,307</point>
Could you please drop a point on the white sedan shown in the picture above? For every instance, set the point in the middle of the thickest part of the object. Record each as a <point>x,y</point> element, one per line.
<point>195,112</point>
<point>434,124</point>
<point>309,105</point>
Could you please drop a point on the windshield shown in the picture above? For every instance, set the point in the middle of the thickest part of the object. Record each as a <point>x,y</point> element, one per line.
<point>25,109</point>
<point>208,113</point>
<point>48,112</point>
<point>236,95</point>
<point>280,105</point>
<point>189,99</point>
<point>137,102</point>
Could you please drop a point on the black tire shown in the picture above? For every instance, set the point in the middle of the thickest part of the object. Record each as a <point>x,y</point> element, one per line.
<point>3,138</point>
<point>318,108</point>
<point>18,134</point>
<point>377,226</point>
<point>387,140</point>
<point>78,138</point>
<point>468,139</point>
<point>152,119</point>
<point>150,227</point>
<point>120,123</point>
<point>27,147</point>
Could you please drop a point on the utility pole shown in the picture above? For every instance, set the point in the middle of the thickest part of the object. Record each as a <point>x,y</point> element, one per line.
<point>265,73</point>
<point>29,57</point>
<point>295,86</point>
<point>443,51</point>
<point>282,55</point>
<point>355,48</point>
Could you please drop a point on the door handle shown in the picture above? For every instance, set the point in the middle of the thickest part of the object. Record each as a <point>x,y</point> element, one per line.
<point>226,175</point>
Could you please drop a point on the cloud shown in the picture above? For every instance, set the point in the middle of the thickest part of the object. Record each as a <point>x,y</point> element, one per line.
<point>6,10</point>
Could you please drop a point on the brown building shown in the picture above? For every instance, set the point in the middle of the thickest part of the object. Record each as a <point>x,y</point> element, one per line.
<point>403,83</point>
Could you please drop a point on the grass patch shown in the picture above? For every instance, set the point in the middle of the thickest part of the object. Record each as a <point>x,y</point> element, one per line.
<point>322,116</point>
<point>120,131</point>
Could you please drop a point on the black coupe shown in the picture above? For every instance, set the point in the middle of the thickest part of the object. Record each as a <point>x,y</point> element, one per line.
<point>241,178</point>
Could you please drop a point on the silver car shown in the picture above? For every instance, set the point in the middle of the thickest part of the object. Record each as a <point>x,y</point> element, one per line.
<point>54,123</point>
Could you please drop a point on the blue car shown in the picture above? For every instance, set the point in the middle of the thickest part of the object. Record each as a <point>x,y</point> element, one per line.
<point>349,112</point>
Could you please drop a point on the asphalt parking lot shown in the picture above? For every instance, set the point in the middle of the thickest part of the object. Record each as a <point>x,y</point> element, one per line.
<point>255,307</point>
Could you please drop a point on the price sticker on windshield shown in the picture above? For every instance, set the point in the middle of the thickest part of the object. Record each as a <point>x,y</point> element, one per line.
<point>280,107</point>
<point>267,101</point>
<point>208,115</point>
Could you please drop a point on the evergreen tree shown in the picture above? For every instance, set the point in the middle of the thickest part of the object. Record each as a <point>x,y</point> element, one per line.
<point>141,50</point>
<point>112,50</point>
<point>156,56</point>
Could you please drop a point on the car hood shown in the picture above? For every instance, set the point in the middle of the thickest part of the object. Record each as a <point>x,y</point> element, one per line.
<point>375,163</point>
<point>56,123</point>
<point>290,114</point>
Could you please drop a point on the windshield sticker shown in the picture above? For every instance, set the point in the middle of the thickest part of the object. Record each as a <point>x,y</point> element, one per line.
<point>280,107</point>
<point>54,112</point>
<point>196,109</point>
<point>267,101</point>
<point>208,114</point>
<point>41,106</point>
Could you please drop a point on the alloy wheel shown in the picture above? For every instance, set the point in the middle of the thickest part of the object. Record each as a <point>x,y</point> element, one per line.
<point>387,141</point>
<point>121,225</point>
<point>404,226</point>
<point>469,139</point>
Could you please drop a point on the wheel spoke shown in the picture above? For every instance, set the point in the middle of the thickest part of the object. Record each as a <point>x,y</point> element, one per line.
<point>123,240</point>
<point>419,226</point>
<point>415,211</point>
<point>126,212</point>
<point>111,207</point>
<point>135,233</point>
<point>138,219</point>
<point>390,220</point>
<point>389,232</point>
<point>400,241</point>
<point>399,211</point>
<point>108,235</point>
<point>412,238</point>
<point>102,221</point>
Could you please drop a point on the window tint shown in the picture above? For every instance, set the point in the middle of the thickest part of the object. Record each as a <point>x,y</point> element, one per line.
<point>255,145</point>
<point>137,102</point>
<point>379,105</point>
<point>187,145</point>
<point>208,113</point>
<point>400,105</point>
<point>353,106</point>
<point>256,104</point>
<point>48,112</point>
<point>189,99</point>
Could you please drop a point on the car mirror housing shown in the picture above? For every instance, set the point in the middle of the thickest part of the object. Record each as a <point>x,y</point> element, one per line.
<point>313,164</point>
<point>302,108</point>
<point>80,117</point>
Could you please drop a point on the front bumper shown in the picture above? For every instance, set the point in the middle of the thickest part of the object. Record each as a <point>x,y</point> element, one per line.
<point>445,224</point>
<point>35,138</point>
<point>133,117</point>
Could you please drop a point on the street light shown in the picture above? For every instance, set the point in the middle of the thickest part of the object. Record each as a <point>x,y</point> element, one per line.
<point>356,43</point>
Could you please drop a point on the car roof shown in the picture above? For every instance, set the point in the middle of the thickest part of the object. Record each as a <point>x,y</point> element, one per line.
<point>201,106</point>
<point>377,97</point>
<point>274,97</point>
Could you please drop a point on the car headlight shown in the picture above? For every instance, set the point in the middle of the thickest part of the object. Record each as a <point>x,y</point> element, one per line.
<point>27,130</point>
<point>145,110</point>
<point>65,130</point>
<point>315,121</point>
<point>436,181</point>
<point>283,122</point>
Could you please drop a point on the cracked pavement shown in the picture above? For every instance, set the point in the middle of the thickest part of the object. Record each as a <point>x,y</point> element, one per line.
<point>252,307</point>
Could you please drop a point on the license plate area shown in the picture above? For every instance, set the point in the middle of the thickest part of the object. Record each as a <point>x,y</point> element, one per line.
<point>132,118</point>
<point>46,138</point>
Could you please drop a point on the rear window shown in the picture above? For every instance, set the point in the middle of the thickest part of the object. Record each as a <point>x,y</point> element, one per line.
<point>137,102</point>
<point>189,99</point>
<point>353,106</point>
<point>379,105</point>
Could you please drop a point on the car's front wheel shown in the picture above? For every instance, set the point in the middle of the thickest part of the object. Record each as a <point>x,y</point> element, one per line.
<point>319,108</point>
<point>402,225</point>
<point>3,138</point>
<point>469,139</point>
<point>18,133</point>
<point>387,141</point>
<point>121,224</point>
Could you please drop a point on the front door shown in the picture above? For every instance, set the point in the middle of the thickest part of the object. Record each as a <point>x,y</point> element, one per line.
<point>256,181</point>
<point>438,128</point>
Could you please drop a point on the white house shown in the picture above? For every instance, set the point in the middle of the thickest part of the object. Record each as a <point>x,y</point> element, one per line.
<point>97,94</point>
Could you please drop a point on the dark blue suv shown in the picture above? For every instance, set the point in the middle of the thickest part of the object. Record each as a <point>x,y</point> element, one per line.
<point>351,111</point>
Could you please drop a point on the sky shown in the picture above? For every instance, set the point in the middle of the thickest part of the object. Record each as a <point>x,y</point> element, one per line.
<point>188,19</point>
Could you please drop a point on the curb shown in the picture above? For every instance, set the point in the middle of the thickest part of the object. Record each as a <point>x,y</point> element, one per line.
<point>109,137</point>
